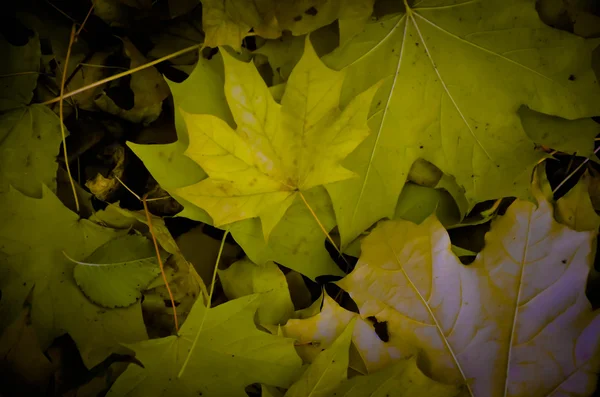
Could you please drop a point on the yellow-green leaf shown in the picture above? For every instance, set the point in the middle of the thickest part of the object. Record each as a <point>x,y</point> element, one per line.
<point>575,208</point>
<point>33,235</point>
<point>277,150</point>
<point>29,142</point>
<point>321,330</point>
<point>246,278</point>
<point>402,379</point>
<point>116,273</point>
<point>230,353</point>
<point>456,74</point>
<point>328,370</point>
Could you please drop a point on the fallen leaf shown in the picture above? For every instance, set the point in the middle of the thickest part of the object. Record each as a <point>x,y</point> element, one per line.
<point>228,23</point>
<point>277,150</point>
<point>575,208</point>
<point>19,69</point>
<point>319,331</point>
<point>33,235</point>
<point>230,354</point>
<point>116,273</point>
<point>493,324</point>
<point>246,278</point>
<point>403,379</point>
<point>29,142</point>
<point>455,75</point>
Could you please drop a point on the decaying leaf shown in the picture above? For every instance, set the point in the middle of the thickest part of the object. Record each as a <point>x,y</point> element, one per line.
<point>148,87</point>
<point>228,22</point>
<point>516,322</point>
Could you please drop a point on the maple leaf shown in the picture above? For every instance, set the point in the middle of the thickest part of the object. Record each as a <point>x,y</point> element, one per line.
<point>296,242</point>
<point>456,74</point>
<point>29,142</point>
<point>277,150</point>
<point>230,354</point>
<point>33,234</point>
<point>493,324</point>
<point>227,23</point>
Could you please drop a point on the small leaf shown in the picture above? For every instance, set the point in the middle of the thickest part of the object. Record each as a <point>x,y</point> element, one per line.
<point>328,369</point>
<point>115,274</point>
<point>246,278</point>
<point>575,208</point>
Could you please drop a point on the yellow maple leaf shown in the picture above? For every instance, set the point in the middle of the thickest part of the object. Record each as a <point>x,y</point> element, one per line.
<point>277,149</point>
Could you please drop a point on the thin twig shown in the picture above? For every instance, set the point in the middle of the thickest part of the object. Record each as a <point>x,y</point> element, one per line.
<point>85,20</point>
<point>125,73</point>
<point>210,294</point>
<point>574,171</point>
<point>160,263</point>
<point>61,117</point>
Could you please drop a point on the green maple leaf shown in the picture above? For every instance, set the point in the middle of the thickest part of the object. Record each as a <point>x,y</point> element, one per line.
<point>33,235</point>
<point>456,74</point>
<point>277,150</point>
<point>29,142</point>
<point>228,22</point>
<point>230,354</point>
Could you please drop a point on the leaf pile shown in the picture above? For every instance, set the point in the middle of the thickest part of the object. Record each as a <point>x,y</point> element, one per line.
<point>299,198</point>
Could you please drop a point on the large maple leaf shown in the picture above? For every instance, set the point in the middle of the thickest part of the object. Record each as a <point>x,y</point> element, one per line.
<point>229,355</point>
<point>456,74</point>
<point>33,235</point>
<point>297,241</point>
<point>516,322</point>
<point>277,150</point>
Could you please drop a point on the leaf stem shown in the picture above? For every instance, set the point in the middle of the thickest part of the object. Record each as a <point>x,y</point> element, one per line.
<point>123,74</point>
<point>61,117</point>
<point>160,263</point>
<point>210,294</point>
<point>324,231</point>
